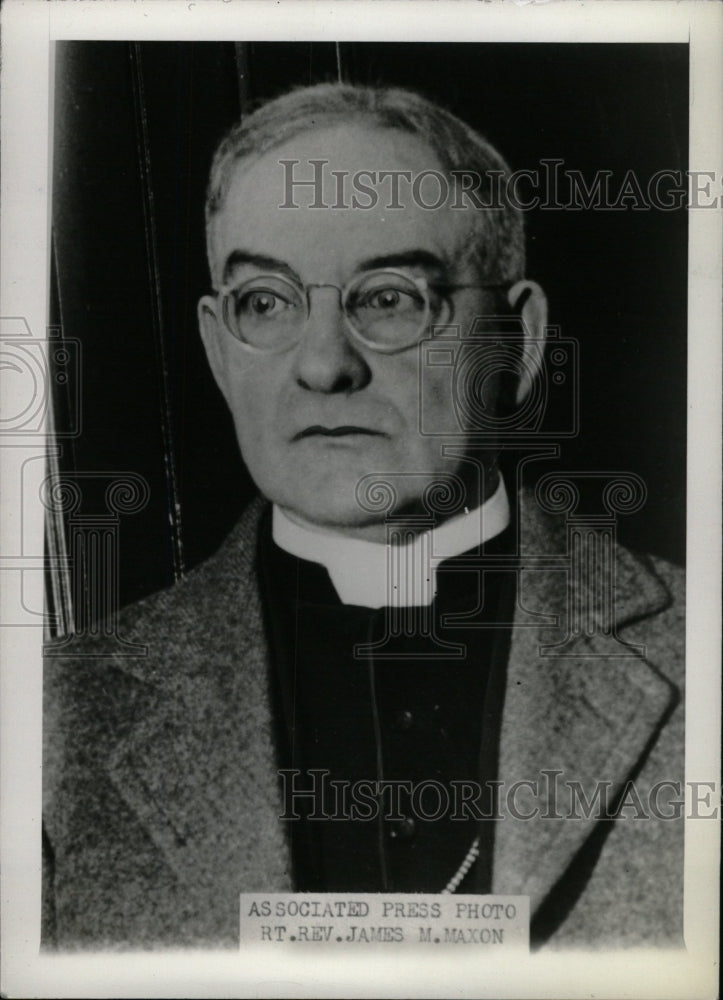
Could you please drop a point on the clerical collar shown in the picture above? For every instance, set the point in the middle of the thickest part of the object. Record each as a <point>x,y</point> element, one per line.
<point>376,574</point>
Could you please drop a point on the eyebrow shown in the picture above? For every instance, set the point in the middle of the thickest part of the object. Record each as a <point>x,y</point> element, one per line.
<point>403,258</point>
<point>238,257</point>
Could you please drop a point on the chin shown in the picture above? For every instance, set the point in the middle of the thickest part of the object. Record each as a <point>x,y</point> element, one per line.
<point>328,504</point>
<point>333,514</point>
<point>364,515</point>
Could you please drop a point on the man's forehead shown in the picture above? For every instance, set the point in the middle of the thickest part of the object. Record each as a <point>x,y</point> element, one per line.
<point>349,192</point>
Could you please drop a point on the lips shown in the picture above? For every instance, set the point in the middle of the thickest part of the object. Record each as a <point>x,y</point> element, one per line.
<point>345,430</point>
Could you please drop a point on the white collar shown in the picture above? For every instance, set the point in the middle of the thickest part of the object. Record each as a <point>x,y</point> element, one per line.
<point>376,574</point>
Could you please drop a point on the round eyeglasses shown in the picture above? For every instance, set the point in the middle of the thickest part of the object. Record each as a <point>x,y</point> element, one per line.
<point>386,310</point>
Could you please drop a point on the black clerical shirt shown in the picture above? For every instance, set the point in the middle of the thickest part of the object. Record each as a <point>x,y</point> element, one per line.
<point>389,720</point>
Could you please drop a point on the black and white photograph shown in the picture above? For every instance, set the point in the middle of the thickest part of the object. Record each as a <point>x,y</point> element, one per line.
<point>364,504</point>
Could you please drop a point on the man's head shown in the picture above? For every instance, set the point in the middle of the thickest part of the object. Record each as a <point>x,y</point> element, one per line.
<point>313,335</point>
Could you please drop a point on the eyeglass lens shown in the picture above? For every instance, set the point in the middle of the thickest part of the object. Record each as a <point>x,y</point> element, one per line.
<point>385,309</point>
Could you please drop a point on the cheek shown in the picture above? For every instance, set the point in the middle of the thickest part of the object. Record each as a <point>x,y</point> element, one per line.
<point>435,411</point>
<point>427,414</point>
<point>252,396</point>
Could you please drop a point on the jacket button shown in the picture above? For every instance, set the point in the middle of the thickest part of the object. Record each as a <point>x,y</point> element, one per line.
<point>403,829</point>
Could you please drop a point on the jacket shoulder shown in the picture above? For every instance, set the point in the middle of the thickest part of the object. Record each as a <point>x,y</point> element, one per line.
<point>184,620</point>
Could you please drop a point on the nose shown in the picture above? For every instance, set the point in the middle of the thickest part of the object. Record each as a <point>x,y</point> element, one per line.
<point>326,360</point>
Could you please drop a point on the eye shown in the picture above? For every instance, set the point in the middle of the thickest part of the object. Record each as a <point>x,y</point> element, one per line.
<point>389,299</point>
<point>263,303</point>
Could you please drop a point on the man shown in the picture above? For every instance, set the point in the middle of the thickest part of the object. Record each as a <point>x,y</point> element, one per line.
<point>395,674</point>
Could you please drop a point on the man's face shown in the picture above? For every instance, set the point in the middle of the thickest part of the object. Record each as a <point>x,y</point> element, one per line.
<point>313,420</point>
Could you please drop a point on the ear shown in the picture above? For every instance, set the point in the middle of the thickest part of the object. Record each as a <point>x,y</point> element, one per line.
<point>212,333</point>
<point>529,302</point>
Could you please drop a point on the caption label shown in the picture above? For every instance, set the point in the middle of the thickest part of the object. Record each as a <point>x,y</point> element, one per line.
<point>336,919</point>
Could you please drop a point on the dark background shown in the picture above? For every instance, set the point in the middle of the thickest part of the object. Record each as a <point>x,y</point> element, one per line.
<point>136,126</point>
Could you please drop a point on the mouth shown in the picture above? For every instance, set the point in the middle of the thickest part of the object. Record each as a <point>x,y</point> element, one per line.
<point>345,430</point>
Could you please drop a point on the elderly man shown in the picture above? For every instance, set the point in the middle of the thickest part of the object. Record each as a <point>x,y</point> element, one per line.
<point>381,681</point>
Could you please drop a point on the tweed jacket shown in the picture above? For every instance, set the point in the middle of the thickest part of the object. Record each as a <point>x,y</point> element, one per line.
<point>161,797</point>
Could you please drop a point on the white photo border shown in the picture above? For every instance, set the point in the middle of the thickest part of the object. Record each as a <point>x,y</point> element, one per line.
<point>29,28</point>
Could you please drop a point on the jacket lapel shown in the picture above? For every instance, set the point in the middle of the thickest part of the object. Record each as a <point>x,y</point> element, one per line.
<point>570,722</point>
<point>198,768</point>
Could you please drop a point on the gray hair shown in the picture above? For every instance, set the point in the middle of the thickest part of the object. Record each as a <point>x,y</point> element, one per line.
<point>499,236</point>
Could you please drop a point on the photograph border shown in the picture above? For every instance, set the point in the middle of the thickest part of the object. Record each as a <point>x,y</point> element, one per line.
<point>29,27</point>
